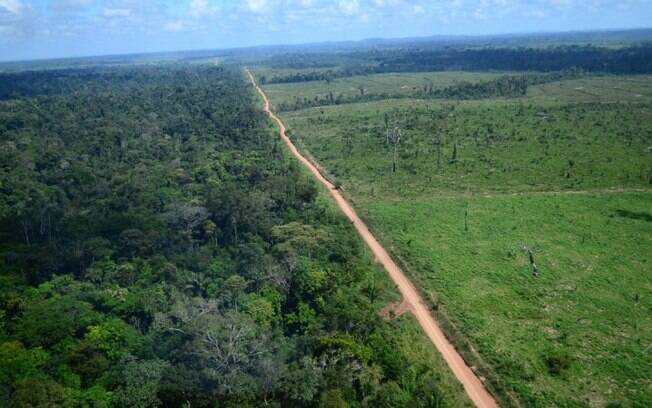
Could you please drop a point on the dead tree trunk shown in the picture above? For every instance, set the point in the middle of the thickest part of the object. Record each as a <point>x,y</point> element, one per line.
<point>26,232</point>
<point>438,140</point>
<point>395,138</point>
<point>533,265</point>
<point>235,228</point>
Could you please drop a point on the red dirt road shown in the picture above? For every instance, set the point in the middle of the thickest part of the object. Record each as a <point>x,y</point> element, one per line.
<point>472,384</point>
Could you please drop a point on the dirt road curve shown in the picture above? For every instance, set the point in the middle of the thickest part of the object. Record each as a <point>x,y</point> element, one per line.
<point>472,384</point>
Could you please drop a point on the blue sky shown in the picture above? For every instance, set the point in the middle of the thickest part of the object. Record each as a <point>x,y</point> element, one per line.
<point>59,28</point>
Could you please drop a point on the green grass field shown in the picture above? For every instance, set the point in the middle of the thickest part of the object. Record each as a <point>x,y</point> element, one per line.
<point>390,84</point>
<point>596,89</point>
<point>565,170</point>
<point>578,334</point>
<point>527,144</point>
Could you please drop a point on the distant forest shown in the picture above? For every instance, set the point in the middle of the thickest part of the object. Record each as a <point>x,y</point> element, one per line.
<point>632,60</point>
<point>69,80</point>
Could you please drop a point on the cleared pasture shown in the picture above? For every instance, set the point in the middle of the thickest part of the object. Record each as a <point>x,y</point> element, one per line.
<point>390,84</point>
<point>564,171</point>
<point>580,333</point>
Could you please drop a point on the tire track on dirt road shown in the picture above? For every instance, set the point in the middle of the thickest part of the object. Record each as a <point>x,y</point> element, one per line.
<point>472,384</point>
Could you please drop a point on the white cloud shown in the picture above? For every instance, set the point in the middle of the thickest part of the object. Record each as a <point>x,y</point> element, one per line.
<point>111,13</point>
<point>304,3</point>
<point>201,8</point>
<point>561,3</point>
<point>68,5</point>
<point>479,14</point>
<point>174,26</point>
<point>12,6</point>
<point>538,13</point>
<point>253,21</point>
<point>349,7</point>
<point>258,6</point>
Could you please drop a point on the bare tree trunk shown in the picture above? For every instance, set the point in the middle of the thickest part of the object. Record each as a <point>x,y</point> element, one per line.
<point>395,137</point>
<point>395,157</point>
<point>533,265</point>
<point>235,229</point>
<point>439,155</point>
<point>26,233</point>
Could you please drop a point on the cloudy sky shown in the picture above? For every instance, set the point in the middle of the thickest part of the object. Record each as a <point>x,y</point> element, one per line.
<point>58,28</point>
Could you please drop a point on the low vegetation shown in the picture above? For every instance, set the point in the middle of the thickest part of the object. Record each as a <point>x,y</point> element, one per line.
<point>577,333</point>
<point>540,142</point>
<point>523,219</point>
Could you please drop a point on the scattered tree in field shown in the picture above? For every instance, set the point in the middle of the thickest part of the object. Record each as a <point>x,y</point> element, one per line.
<point>386,120</point>
<point>533,265</point>
<point>439,138</point>
<point>454,154</point>
<point>394,138</point>
<point>428,87</point>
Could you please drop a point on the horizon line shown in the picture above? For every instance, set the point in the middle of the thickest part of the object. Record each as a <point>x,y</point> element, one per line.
<point>334,42</point>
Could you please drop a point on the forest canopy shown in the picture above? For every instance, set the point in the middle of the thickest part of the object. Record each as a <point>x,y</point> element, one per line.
<point>318,67</point>
<point>157,248</point>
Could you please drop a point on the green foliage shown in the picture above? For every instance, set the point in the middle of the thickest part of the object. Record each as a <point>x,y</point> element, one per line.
<point>391,395</point>
<point>348,345</point>
<point>563,169</point>
<point>96,397</point>
<point>18,363</point>
<point>49,321</point>
<point>304,381</point>
<point>141,384</point>
<point>332,399</point>
<point>557,362</point>
<point>419,58</point>
<point>33,392</point>
<point>304,319</point>
<point>261,310</point>
<point>3,332</point>
<point>160,250</point>
<point>114,337</point>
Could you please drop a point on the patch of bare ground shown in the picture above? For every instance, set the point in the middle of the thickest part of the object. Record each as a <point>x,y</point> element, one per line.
<point>395,310</point>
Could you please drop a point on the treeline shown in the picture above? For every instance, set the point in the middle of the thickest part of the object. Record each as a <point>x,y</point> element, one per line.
<point>63,81</point>
<point>323,75</point>
<point>157,249</point>
<point>633,60</point>
<point>508,86</point>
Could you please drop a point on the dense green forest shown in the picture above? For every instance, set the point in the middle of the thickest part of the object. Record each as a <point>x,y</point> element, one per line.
<point>158,248</point>
<point>630,60</point>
